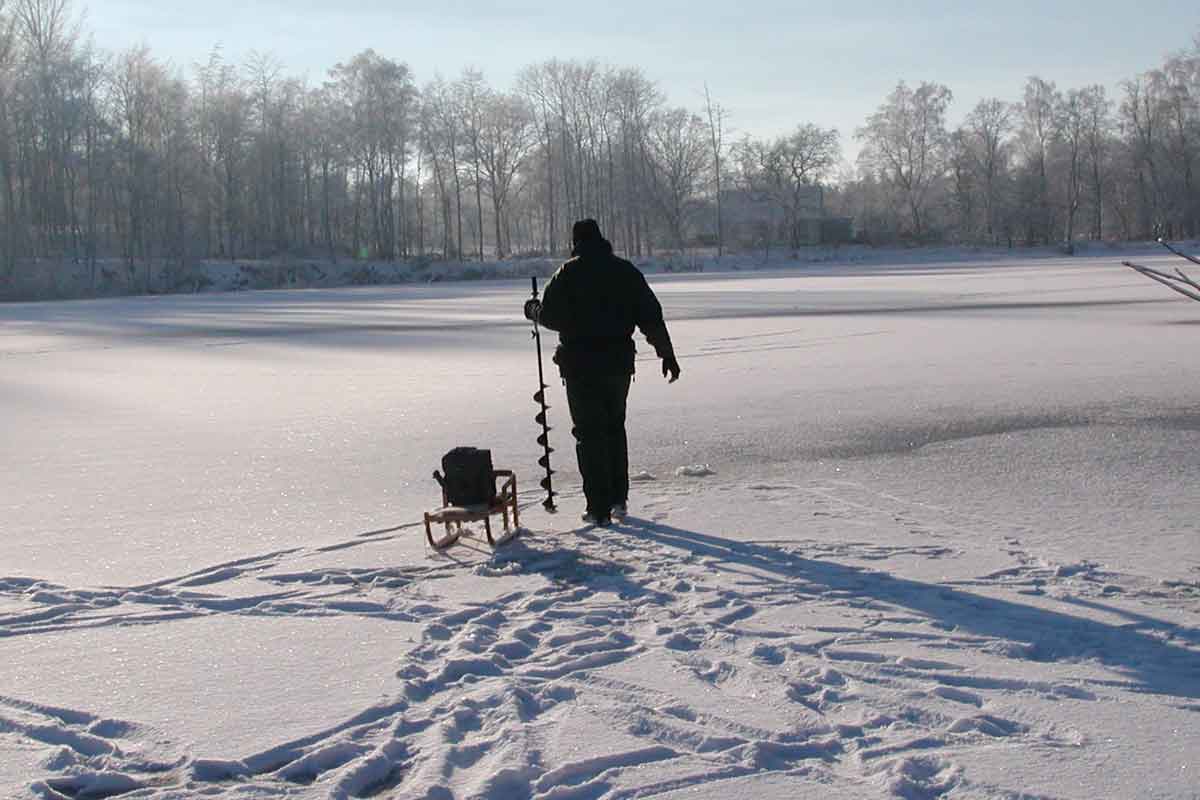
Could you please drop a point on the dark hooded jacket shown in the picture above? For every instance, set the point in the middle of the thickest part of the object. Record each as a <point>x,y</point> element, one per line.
<point>595,301</point>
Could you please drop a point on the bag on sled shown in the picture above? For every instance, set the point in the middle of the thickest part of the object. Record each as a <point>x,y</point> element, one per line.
<point>467,477</point>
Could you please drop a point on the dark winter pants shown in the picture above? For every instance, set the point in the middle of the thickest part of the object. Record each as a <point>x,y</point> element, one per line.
<point>598,416</point>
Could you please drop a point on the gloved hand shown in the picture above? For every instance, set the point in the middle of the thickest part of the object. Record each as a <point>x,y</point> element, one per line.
<point>533,309</point>
<point>671,367</point>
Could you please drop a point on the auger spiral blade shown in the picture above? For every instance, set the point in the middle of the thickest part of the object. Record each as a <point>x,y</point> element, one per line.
<point>540,397</point>
<point>544,440</point>
<point>540,419</point>
<point>545,484</point>
<point>544,462</point>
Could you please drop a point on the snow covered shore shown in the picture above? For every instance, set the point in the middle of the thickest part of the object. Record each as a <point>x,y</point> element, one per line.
<point>51,280</point>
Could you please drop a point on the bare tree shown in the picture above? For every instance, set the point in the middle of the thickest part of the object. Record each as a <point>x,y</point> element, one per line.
<point>963,178</point>
<point>1141,111</point>
<point>263,72</point>
<point>48,34</point>
<point>1097,132</point>
<point>1071,122</point>
<point>229,118</point>
<point>431,144</point>
<point>90,75</point>
<point>717,116</point>
<point>535,84</point>
<point>8,256</point>
<point>378,98</point>
<point>400,139</point>
<point>137,81</point>
<point>1179,281</point>
<point>635,99</point>
<point>330,154</point>
<point>679,160</point>
<point>1181,120</point>
<point>987,127</point>
<point>473,94</point>
<point>1039,130</point>
<point>174,179</point>
<point>505,139</point>
<point>443,135</point>
<point>906,143</point>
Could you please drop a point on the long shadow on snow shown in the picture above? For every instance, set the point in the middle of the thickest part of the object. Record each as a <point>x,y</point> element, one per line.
<point>567,566</point>
<point>1149,663</point>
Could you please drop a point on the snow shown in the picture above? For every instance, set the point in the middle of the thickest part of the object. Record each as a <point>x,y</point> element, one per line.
<point>694,471</point>
<point>69,279</point>
<point>919,530</point>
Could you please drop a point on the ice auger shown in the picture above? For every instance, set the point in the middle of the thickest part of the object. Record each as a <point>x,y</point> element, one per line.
<point>539,397</point>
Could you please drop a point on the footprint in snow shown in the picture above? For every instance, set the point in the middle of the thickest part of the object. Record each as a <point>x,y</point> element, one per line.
<point>766,654</point>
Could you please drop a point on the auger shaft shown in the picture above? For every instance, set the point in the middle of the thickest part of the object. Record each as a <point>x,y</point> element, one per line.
<point>539,397</point>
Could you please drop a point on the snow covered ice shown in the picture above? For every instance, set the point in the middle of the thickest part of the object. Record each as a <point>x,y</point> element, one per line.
<point>945,545</point>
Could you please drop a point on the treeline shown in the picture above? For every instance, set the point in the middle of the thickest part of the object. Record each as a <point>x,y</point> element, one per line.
<point>1055,166</point>
<point>121,157</point>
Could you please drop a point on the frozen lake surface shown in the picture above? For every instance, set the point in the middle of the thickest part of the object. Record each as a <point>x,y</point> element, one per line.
<point>950,545</point>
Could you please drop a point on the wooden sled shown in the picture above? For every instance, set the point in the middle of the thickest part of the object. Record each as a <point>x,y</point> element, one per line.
<point>453,517</point>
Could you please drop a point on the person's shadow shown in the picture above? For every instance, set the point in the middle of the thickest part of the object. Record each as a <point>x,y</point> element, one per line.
<point>1152,655</point>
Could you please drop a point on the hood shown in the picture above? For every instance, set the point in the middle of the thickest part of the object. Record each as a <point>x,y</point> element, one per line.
<point>593,247</point>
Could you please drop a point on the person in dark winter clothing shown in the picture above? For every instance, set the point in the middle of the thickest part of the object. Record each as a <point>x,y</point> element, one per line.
<point>595,301</point>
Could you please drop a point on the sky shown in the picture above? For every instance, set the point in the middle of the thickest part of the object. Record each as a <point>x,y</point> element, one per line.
<point>773,64</point>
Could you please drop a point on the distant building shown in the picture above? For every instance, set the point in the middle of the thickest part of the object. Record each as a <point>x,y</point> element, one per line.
<point>753,219</point>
